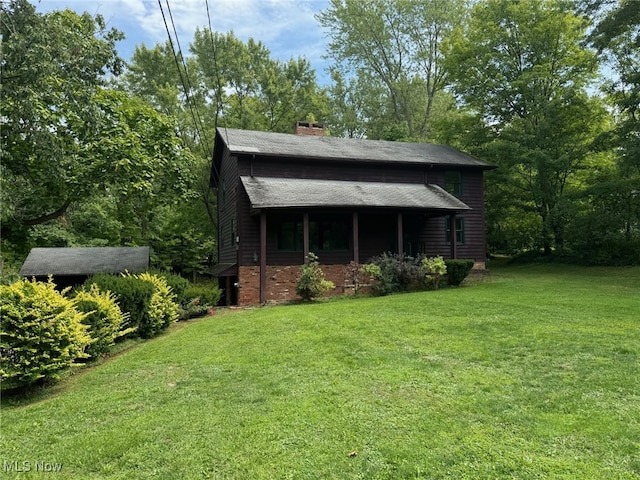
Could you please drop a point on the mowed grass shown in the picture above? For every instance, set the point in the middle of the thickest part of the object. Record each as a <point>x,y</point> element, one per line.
<point>533,372</point>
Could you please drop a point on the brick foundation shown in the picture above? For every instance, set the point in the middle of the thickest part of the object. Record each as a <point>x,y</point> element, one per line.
<point>281,283</point>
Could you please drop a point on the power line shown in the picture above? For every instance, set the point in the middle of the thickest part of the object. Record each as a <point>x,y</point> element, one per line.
<point>197,125</point>
<point>190,87</point>
<point>215,65</point>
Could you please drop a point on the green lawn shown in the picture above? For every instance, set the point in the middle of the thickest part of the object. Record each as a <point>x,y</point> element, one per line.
<point>533,372</point>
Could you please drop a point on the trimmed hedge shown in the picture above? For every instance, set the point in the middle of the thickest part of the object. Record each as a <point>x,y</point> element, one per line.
<point>457,270</point>
<point>162,308</point>
<point>208,294</point>
<point>179,285</point>
<point>104,318</point>
<point>133,296</point>
<point>41,333</point>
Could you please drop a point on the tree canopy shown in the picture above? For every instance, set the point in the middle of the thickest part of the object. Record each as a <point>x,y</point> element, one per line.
<point>99,152</point>
<point>391,53</point>
<point>52,68</point>
<point>522,68</point>
<point>73,149</point>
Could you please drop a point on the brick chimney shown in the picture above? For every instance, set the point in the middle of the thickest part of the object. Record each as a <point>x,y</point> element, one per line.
<point>309,128</point>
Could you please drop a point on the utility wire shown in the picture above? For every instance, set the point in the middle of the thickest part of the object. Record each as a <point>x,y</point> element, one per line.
<point>182,79</point>
<point>202,132</point>
<point>214,49</point>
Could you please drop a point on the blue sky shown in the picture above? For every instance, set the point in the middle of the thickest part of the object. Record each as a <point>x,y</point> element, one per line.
<point>287,27</point>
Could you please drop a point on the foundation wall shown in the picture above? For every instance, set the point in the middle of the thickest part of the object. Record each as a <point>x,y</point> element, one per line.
<point>281,283</point>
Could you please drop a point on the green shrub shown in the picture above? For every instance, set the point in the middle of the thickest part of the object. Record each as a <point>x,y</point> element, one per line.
<point>146,297</point>
<point>434,269</point>
<point>208,293</point>
<point>457,270</point>
<point>199,299</point>
<point>133,296</point>
<point>104,318</point>
<point>179,285</point>
<point>41,333</point>
<point>397,273</point>
<point>372,270</point>
<point>162,308</point>
<point>311,282</point>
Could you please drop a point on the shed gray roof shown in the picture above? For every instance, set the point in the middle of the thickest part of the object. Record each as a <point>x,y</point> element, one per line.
<point>84,261</point>
<point>307,146</point>
<point>265,192</point>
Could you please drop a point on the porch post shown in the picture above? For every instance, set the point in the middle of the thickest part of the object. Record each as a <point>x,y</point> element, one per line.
<point>356,244</point>
<point>263,257</point>
<point>400,236</point>
<point>305,235</point>
<point>453,236</point>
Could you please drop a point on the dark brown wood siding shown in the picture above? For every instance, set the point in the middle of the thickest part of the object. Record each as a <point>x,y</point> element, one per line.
<point>434,232</point>
<point>227,208</point>
<point>314,169</point>
<point>377,228</point>
<point>378,234</point>
<point>249,231</point>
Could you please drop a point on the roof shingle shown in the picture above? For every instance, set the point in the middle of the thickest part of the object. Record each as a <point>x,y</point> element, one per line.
<point>85,261</point>
<point>265,192</point>
<point>307,146</point>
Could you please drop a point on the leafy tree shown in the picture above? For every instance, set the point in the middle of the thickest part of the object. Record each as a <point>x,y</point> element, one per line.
<point>347,106</point>
<point>617,38</point>
<point>152,74</point>
<point>157,202</point>
<point>52,67</point>
<point>394,46</point>
<point>141,146</point>
<point>142,174</point>
<point>522,68</point>
<point>249,89</point>
<point>83,164</point>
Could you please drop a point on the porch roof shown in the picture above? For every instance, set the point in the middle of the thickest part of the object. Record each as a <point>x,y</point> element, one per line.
<point>224,270</point>
<point>267,192</point>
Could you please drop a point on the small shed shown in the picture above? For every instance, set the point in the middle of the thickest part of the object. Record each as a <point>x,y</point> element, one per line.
<point>72,266</point>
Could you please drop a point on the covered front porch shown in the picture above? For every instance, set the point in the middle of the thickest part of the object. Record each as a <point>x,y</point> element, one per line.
<point>342,221</point>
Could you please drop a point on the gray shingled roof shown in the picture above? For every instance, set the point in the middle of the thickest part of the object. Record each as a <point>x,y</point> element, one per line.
<point>306,146</point>
<point>85,261</point>
<point>267,192</point>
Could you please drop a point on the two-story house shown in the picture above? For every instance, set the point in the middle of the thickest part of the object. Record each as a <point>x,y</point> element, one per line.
<point>281,196</point>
